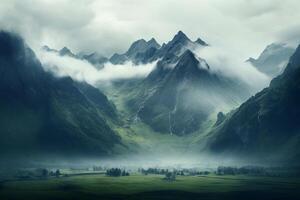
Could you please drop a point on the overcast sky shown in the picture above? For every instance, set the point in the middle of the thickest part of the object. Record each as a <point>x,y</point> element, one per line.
<point>108,26</point>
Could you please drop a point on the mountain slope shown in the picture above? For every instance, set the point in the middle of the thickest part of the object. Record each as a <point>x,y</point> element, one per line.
<point>44,114</point>
<point>273,59</point>
<point>268,123</point>
<point>181,94</point>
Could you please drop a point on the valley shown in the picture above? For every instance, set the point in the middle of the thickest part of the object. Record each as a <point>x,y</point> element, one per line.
<point>149,100</point>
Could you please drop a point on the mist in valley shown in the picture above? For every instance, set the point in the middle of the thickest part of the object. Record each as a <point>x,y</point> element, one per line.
<point>149,99</point>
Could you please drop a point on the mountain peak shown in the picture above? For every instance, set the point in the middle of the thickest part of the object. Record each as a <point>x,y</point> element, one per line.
<point>141,46</point>
<point>276,45</point>
<point>65,51</point>
<point>176,45</point>
<point>251,60</point>
<point>48,49</point>
<point>201,42</point>
<point>273,59</point>
<point>153,43</point>
<point>180,33</point>
<point>180,36</point>
<point>140,41</point>
<point>152,40</point>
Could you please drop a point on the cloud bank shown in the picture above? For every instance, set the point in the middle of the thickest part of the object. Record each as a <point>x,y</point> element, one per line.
<point>82,70</point>
<point>110,26</point>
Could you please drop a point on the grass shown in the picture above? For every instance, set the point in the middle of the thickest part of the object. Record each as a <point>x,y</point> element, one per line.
<point>152,187</point>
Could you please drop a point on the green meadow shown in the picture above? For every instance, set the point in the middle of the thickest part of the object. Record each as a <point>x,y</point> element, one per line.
<point>100,186</point>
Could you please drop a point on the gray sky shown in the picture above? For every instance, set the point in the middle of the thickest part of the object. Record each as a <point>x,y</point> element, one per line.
<point>107,26</point>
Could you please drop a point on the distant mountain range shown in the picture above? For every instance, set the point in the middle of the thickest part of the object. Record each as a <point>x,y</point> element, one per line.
<point>138,52</point>
<point>273,59</point>
<point>95,59</point>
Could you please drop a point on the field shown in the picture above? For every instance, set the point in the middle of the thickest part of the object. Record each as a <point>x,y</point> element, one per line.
<point>99,186</point>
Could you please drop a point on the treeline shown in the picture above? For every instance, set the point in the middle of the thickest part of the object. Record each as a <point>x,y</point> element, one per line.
<point>178,172</point>
<point>246,170</point>
<point>259,171</point>
<point>37,173</point>
<point>116,172</point>
<point>98,168</point>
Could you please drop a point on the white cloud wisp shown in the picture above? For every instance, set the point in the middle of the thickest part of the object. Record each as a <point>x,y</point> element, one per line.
<point>82,70</point>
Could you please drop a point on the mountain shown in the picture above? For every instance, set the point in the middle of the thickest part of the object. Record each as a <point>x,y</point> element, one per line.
<point>140,46</point>
<point>268,124</point>
<point>66,52</point>
<point>48,49</point>
<point>201,42</point>
<point>139,52</point>
<point>41,114</point>
<point>182,92</point>
<point>136,52</point>
<point>178,45</point>
<point>95,59</point>
<point>118,58</point>
<point>273,59</point>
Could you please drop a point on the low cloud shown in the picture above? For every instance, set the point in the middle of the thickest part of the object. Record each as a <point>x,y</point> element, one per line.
<point>231,63</point>
<point>82,70</point>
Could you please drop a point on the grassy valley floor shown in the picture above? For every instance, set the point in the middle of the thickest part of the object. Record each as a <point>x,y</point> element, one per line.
<point>100,186</point>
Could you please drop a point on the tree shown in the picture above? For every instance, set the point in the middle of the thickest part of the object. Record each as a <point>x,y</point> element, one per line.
<point>115,172</point>
<point>170,176</point>
<point>57,173</point>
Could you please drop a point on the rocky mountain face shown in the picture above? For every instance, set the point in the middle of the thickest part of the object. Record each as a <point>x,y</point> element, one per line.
<point>178,45</point>
<point>182,92</point>
<point>44,114</point>
<point>267,124</point>
<point>273,59</point>
<point>66,52</point>
<point>138,52</point>
<point>95,59</point>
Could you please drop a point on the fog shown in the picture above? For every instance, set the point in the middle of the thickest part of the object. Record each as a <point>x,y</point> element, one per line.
<point>229,62</point>
<point>135,161</point>
<point>82,70</point>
